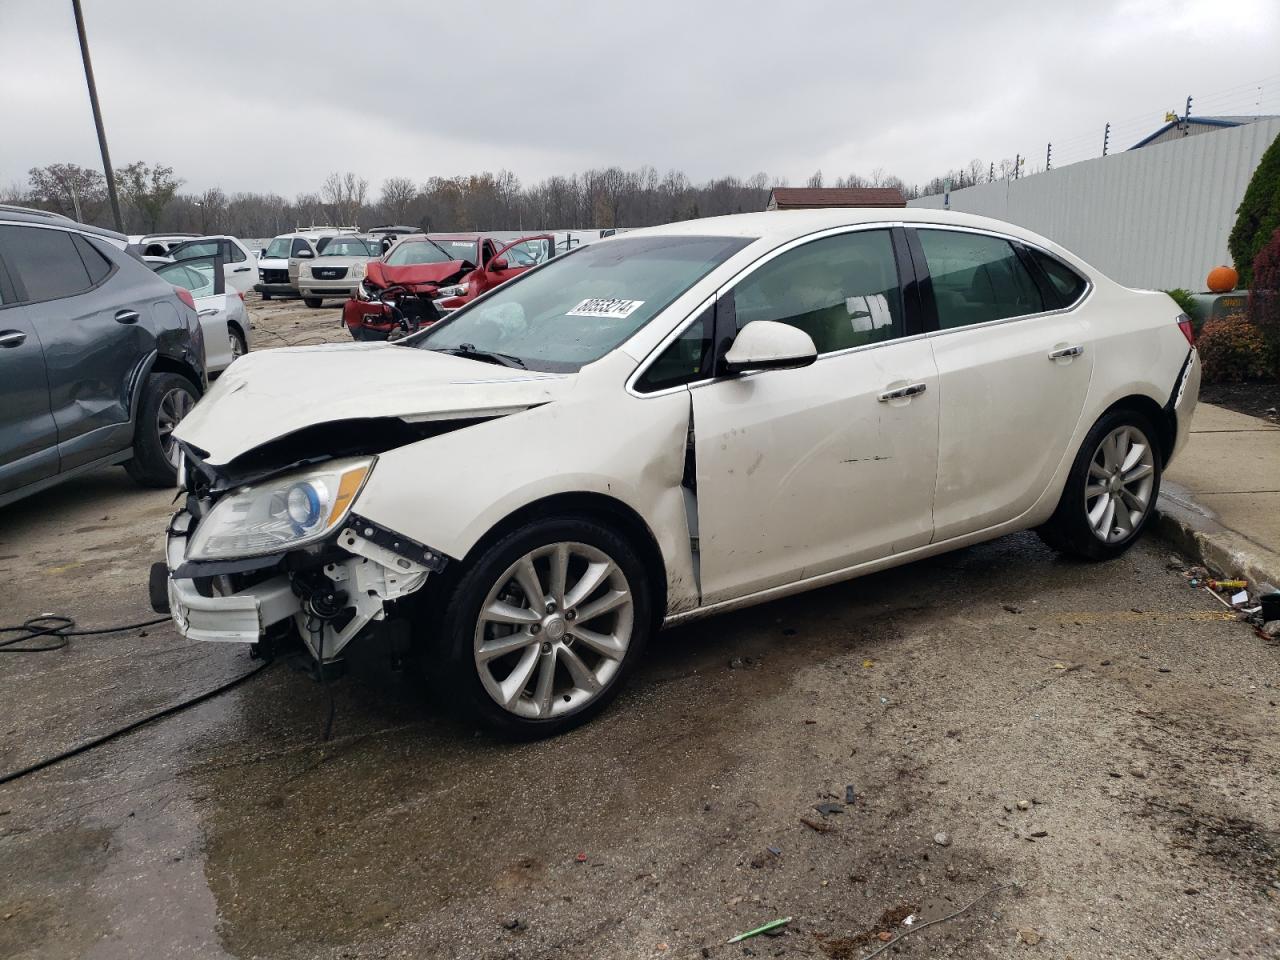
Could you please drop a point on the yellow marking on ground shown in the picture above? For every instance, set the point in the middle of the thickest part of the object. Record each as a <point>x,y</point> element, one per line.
<point>1108,616</point>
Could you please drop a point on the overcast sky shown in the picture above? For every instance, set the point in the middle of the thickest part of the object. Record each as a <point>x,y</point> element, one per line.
<point>274,96</point>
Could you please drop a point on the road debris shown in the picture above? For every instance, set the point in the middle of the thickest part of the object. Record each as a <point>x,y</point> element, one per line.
<point>1029,937</point>
<point>849,795</point>
<point>1024,804</point>
<point>771,925</point>
<point>942,838</point>
<point>829,808</point>
<point>581,858</point>
<point>817,825</point>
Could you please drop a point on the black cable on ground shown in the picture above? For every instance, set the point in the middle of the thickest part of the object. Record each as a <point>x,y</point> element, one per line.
<point>128,728</point>
<point>60,628</point>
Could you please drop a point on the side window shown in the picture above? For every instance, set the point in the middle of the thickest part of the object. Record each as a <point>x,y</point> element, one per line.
<point>1068,284</point>
<point>977,278</point>
<point>45,262</point>
<point>684,360</point>
<point>94,260</point>
<point>234,253</point>
<point>299,246</point>
<point>843,291</point>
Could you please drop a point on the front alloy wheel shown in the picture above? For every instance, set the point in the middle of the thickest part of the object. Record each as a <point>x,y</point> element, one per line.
<point>542,626</point>
<point>1121,476</point>
<point>175,404</point>
<point>553,630</point>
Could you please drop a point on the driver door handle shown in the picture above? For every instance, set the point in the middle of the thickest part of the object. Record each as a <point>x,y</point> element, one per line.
<point>126,316</point>
<point>240,270</point>
<point>1066,352</point>
<point>12,338</point>
<point>910,390</point>
<point>207,312</point>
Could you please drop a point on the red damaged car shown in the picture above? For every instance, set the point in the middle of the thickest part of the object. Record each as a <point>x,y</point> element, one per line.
<point>426,275</point>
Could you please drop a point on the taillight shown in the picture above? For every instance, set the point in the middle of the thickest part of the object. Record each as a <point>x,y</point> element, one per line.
<point>1184,324</point>
<point>185,296</point>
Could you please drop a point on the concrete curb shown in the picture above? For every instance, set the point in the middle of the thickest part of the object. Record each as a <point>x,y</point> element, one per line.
<point>1196,532</point>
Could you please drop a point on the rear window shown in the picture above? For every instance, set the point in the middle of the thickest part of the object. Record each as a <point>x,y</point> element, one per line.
<point>1067,284</point>
<point>94,260</point>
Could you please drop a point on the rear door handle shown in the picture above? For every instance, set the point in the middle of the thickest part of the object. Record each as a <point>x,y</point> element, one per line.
<point>12,338</point>
<point>910,390</point>
<point>207,312</point>
<point>126,316</point>
<point>1066,352</point>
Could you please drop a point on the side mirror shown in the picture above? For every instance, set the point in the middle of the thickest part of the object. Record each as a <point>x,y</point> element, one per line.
<point>769,345</point>
<point>263,253</point>
<point>498,263</point>
<point>304,254</point>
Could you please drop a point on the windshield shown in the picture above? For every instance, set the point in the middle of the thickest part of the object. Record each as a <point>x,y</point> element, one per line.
<point>582,305</point>
<point>279,249</point>
<point>350,247</point>
<point>427,251</point>
<point>194,276</point>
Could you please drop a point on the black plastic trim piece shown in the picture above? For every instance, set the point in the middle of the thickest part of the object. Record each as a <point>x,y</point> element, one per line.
<point>192,569</point>
<point>397,543</point>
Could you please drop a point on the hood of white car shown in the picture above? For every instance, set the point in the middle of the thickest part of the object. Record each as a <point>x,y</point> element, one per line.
<point>268,395</point>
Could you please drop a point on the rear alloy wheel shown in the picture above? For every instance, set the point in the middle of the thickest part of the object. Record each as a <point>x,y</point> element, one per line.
<point>1111,490</point>
<point>553,615</point>
<point>168,399</point>
<point>238,347</point>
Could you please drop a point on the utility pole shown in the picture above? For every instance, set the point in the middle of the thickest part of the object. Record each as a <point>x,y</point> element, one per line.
<point>991,174</point>
<point>1048,158</point>
<point>97,116</point>
<point>1017,165</point>
<point>1106,139</point>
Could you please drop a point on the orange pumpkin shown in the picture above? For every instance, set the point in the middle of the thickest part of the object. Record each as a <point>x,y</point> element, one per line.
<point>1222,279</point>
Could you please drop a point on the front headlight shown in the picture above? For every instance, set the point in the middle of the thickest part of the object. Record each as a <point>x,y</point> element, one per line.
<point>357,269</point>
<point>280,514</point>
<point>457,290</point>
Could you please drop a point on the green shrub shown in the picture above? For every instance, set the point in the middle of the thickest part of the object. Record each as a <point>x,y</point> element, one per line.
<point>1183,299</point>
<point>1233,350</point>
<point>1258,216</point>
<point>1264,297</point>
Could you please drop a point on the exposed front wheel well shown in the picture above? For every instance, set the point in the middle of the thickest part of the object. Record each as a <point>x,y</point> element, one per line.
<point>1165,421</point>
<point>603,509</point>
<point>165,364</point>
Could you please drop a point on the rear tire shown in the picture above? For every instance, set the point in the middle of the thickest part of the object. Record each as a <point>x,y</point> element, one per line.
<point>237,342</point>
<point>1111,489</point>
<point>168,398</point>
<point>313,302</point>
<point>570,639</point>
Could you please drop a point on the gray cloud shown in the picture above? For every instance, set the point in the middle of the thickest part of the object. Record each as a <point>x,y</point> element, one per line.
<point>274,96</point>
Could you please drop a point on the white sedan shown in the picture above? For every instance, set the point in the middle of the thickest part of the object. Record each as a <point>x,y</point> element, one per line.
<point>223,318</point>
<point>667,424</point>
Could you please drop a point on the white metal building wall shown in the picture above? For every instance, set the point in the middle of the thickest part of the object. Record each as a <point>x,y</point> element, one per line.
<point>1156,217</point>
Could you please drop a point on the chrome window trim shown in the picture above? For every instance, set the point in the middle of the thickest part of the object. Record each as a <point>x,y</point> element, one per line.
<point>1079,301</point>
<point>744,272</point>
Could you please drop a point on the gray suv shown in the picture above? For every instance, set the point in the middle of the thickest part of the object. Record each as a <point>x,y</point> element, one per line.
<point>99,357</point>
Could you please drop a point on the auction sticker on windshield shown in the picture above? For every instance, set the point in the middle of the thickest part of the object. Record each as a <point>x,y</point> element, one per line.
<point>605,307</point>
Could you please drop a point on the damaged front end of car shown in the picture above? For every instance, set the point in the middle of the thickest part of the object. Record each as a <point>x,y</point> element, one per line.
<point>392,302</point>
<point>269,549</point>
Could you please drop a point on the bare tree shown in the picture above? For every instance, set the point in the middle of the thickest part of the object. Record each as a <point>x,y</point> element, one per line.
<point>815,179</point>
<point>147,190</point>
<point>69,189</point>
<point>344,193</point>
<point>398,194</point>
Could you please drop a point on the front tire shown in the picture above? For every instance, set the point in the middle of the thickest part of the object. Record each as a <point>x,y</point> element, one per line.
<point>1111,490</point>
<point>313,302</point>
<point>543,627</point>
<point>168,399</point>
<point>266,296</point>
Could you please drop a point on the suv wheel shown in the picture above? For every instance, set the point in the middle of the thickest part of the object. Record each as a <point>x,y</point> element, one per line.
<point>313,302</point>
<point>1111,490</point>
<point>238,347</point>
<point>543,627</point>
<point>169,398</point>
<point>265,295</point>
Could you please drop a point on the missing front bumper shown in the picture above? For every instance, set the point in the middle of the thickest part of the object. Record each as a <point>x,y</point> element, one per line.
<point>371,574</point>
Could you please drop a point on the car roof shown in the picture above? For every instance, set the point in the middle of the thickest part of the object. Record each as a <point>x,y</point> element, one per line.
<point>778,226</point>
<point>14,215</point>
